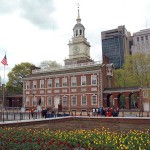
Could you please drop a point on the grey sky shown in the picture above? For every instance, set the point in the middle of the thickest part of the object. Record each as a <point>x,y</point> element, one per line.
<point>38,12</point>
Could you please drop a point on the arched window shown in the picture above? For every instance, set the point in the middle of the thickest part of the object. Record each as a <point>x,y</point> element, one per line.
<point>110,101</point>
<point>76,32</point>
<point>80,32</point>
<point>134,101</point>
<point>122,102</point>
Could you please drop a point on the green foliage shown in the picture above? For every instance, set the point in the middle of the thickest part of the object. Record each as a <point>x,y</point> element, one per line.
<point>135,72</point>
<point>48,64</point>
<point>15,84</point>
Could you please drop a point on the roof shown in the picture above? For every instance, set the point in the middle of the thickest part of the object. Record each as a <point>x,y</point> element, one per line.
<point>121,89</point>
<point>78,25</point>
<point>65,70</point>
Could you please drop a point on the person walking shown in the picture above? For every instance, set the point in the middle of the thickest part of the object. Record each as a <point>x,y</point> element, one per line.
<point>32,113</point>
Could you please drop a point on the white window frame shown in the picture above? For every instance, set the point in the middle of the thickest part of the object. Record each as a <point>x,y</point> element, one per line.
<point>28,85</point>
<point>145,94</point>
<point>74,100</point>
<point>49,83</point>
<point>73,81</point>
<point>27,101</point>
<point>64,101</point>
<point>42,100</point>
<point>49,101</point>
<point>92,99</point>
<point>57,82</point>
<point>34,102</point>
<point>42,83</point>
<point>34,84</point>
<point>83,100</point>
<point>64,82</point>
<point>83,80</point>
<point>93,79</point>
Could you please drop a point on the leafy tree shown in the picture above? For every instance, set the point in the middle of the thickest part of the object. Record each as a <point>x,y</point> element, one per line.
<point>135,72</point>
<point>15,84</point>
<point>119,77</point>
<point>48,64</point>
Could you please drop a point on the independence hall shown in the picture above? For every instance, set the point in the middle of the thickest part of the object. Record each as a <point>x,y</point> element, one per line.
<point>77,86</point>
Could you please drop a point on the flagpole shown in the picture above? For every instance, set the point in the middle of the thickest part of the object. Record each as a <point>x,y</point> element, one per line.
<point>3,88</point>
<point>4,62</point>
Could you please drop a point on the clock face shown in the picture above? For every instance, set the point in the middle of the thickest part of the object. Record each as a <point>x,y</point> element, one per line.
<point>76,50</point>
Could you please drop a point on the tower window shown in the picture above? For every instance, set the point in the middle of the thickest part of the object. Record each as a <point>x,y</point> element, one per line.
<point>146,37</point>
<point>142,38</point>
<point>76,32</point>
<point>80,32</point>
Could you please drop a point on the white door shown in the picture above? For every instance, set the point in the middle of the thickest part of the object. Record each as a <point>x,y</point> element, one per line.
<point>56,101</point>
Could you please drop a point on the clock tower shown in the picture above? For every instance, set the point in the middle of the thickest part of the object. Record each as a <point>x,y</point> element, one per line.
<point>79,47</point>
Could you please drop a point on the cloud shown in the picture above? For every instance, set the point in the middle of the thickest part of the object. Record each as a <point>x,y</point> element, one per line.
<point>8,6</point>
<point>38,12</point>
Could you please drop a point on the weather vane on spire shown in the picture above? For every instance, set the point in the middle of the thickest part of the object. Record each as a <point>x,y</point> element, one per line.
<point>78,5</point>
<point>78,18</point>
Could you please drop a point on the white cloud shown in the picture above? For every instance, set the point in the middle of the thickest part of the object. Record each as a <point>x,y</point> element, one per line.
<point>34,31</point>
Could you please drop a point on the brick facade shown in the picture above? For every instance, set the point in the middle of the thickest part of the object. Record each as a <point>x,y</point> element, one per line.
<point>87,96</point>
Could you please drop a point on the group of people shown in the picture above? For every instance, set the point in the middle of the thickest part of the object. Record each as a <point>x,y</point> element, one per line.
<point>107,112</point>
<point>34,112</point>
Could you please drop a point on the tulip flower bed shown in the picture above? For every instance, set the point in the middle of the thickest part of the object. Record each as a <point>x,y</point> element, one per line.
<point>45,139</point>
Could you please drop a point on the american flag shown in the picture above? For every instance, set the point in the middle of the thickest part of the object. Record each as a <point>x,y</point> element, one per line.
<point>4,61</point>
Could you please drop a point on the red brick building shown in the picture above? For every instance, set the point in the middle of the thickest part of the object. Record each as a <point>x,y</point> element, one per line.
<point>77,86</point>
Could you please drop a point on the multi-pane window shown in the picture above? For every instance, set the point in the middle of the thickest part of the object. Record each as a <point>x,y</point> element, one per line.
<point>145,94</point>
<point>57,82</point>
<point>94,99</point>
<point>28,85</point>
<point>49,101</point>
<point>93,79</point>
<point>73,81</point>
<point>64,101</point>
<point>73,100</point>
<point>137,39</point>
<point>64,82</point>
<point>142,38</point>
<point>49,83</point>
<point>34,84</point>
<point>83,100</point>
<point>34,101</point>
<point>27,101</point>
<point>42,101</point>
<point>41,83</point>
<point>83,80</point>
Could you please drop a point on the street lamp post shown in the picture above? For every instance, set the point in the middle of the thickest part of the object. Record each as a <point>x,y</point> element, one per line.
<point>141,103</point>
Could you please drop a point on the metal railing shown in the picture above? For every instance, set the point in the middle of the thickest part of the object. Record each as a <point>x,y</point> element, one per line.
<point>14,114</point>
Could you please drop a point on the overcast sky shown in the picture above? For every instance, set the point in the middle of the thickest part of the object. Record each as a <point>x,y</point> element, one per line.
<point>37,30</point>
